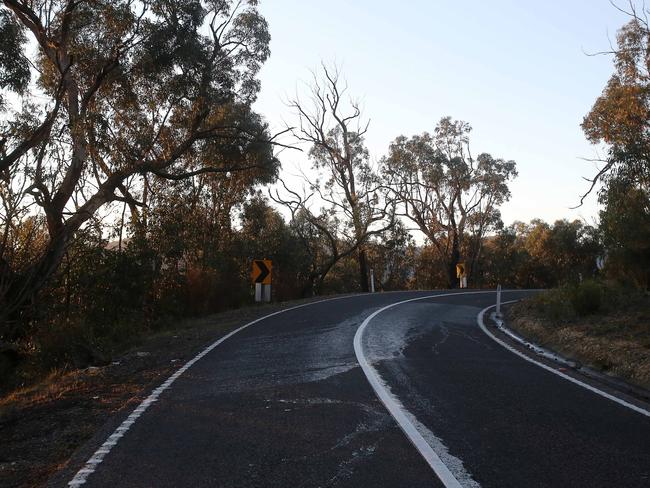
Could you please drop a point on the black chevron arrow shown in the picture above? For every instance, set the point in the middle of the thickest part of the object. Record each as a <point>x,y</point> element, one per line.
<point>264,271</point>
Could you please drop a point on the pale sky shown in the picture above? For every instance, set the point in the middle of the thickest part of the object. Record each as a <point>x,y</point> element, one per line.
<point>515,70</point>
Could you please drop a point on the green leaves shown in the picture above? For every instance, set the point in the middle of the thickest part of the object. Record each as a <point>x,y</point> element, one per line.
<point>448,194</point>
<point>14,68</point>
<point>621,115</point>
<point>620,118</point>
<point>131,95</point>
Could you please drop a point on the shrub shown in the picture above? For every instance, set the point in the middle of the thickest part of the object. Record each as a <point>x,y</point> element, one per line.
<point>554,305</point>
<point>587,298</point>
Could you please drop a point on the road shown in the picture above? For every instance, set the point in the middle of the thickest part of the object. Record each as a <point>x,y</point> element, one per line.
<point>284,403</point>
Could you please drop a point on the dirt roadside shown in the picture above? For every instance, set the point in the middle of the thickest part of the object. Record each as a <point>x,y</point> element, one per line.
<point>42,426</point>
<point>616,342</point>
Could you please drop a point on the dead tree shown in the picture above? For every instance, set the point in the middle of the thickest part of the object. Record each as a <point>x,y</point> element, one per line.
<point>332,126</point>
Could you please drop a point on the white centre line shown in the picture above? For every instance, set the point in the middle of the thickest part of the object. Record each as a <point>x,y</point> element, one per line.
<point>394,406</point>
<point>100,454</point>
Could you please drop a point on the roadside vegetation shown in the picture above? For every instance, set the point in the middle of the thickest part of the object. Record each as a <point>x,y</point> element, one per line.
<point>603,326</point>
<point>605,323</point>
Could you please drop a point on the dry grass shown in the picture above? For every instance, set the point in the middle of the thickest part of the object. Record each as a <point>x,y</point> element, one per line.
<point>616,341</point>
<point>41,425</point>
<point>52,387</point>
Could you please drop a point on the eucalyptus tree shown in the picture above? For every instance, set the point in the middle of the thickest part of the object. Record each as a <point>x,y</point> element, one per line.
<point>621,114</point>
<point>620,118</point>
<point>332,125</point>
<point>452,197</point>
<point>121,91</point>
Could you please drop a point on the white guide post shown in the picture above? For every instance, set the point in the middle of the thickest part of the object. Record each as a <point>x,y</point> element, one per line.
<point>498,312</point>
<point>266,292</point>
<point>258,292</point>
<point>372,281</point>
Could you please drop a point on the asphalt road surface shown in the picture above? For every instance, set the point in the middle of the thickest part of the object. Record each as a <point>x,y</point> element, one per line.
<point>284,403</point>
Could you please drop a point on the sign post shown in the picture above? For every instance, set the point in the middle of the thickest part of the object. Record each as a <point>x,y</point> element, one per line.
<point>372,280</point>
<point>261,277</point>
<point>461,274</point>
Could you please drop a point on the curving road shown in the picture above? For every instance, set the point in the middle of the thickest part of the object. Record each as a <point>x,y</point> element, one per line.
<point>284,403</point>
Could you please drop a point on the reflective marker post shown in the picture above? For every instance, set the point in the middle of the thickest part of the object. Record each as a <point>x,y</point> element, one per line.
<point>372,281</point>
<point>262,292</point>
<point>266,293</point>
<point>498,314</point>
<point>258,292</point>
<point>461,274</point>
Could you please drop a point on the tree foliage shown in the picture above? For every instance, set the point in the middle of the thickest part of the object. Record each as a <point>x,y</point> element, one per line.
<point>625,226</point>
<point>14,68</point>
<point>540,255</point>
<point>620,118</point>
<point>125,92</point>
<point>452,197</point>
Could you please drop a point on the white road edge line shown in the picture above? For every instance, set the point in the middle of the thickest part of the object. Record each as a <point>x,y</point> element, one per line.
<point>481,324</point>
<point>98,456</point>
<point>397,411</point>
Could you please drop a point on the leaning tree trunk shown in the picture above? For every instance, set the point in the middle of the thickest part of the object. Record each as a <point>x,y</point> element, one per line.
<point>22,288</point>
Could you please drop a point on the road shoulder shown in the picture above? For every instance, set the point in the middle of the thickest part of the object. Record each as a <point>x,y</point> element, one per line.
<point>563,366</point>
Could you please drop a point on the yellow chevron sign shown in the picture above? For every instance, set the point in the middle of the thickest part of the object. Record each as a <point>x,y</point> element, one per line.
<point>262,271</point>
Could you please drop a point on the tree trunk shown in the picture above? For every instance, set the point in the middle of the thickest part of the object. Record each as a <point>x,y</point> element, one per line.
<point>363,270</point>
<point>453,260</point>
<point>23,287</point>
<point>309,288</point>
<point>476,268</point>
